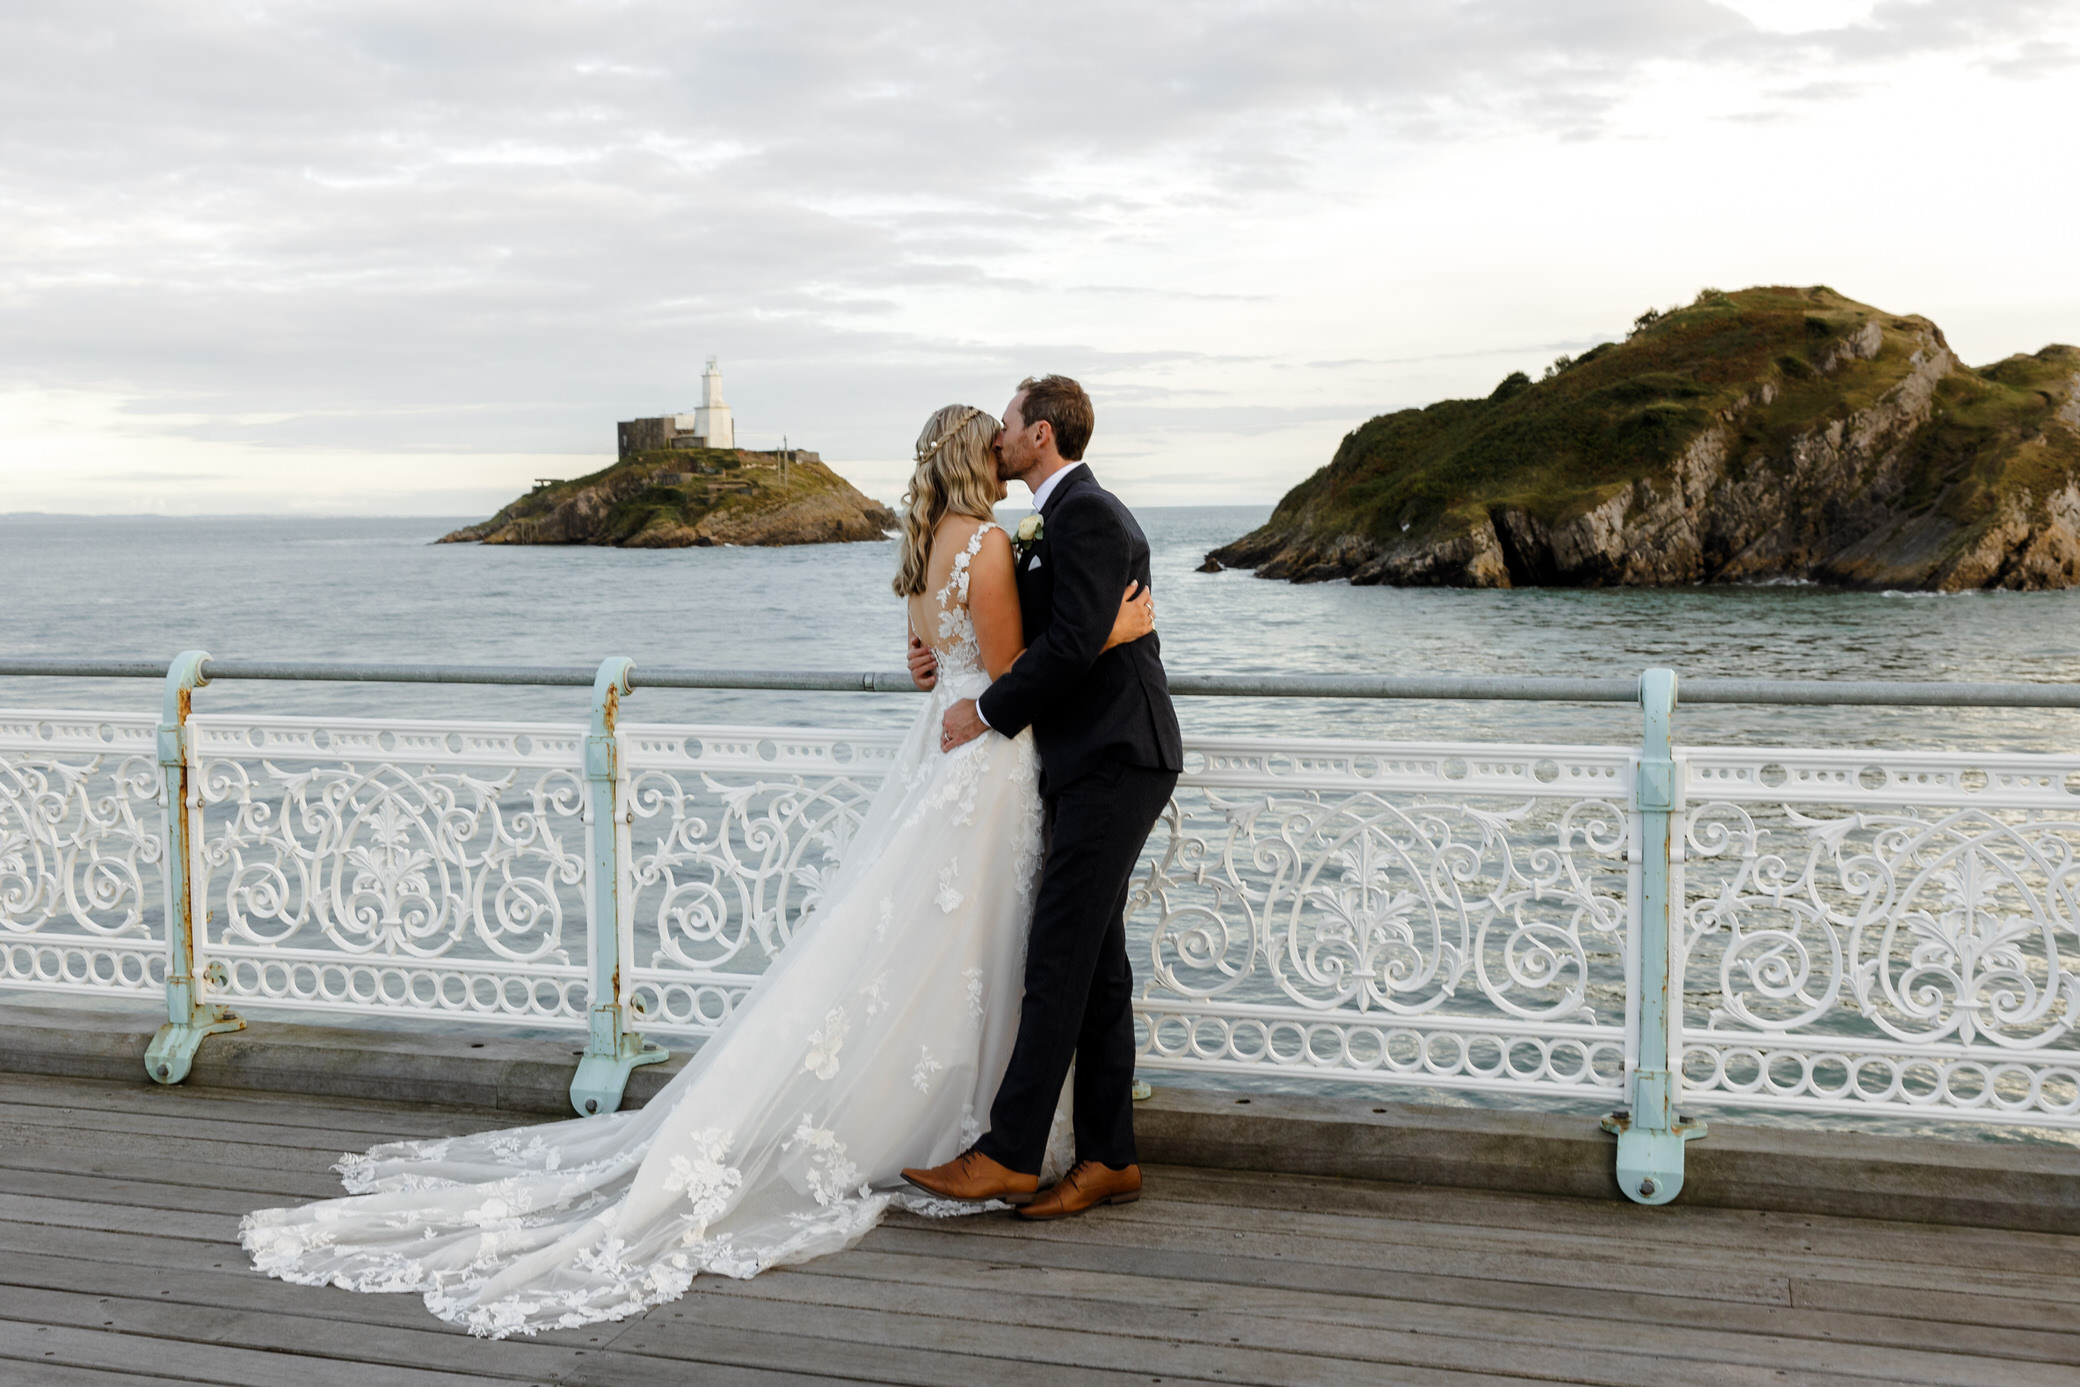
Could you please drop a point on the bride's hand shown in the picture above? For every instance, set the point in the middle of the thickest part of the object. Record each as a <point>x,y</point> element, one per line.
<point>1137,616</point>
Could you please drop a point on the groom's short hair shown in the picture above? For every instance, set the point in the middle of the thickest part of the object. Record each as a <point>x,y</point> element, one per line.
<point>1062,403</point>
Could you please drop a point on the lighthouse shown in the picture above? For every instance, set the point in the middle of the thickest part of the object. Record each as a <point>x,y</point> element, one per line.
<point>709,426</point>
<point>711,422</point>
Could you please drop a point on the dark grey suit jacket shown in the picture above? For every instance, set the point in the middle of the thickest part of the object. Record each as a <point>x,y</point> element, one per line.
<point>1085,707</point>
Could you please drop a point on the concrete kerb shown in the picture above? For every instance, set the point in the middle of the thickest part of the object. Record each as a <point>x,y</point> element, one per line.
<point>2012,1185</point>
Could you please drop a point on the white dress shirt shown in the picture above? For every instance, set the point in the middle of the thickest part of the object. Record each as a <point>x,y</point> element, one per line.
<point>1046,488</point>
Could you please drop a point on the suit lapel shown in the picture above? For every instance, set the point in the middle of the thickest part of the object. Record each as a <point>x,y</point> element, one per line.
<point>1033,568</point>
<point>1077,477</point>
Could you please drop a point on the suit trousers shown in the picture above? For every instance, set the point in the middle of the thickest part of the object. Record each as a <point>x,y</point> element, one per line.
<point>1079,986</point>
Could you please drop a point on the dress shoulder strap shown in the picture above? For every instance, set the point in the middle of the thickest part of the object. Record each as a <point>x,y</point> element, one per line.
<point>957,578</point>
<point>960,560</point>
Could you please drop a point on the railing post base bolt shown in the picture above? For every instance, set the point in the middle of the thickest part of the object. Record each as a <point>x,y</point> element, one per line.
<point>1650,1160</point>
<point>171,1054</point>
<point>603,1069</point>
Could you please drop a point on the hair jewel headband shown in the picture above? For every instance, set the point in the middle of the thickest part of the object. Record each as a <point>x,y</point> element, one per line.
<point>936,444</point>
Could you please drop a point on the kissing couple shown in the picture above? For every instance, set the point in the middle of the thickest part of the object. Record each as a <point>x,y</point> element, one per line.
<point>967,954</point>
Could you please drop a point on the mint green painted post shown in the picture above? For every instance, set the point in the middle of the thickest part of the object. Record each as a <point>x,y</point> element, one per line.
<point>188,1018</point>
<point>1651,1134</point>
<point>612,1050</point>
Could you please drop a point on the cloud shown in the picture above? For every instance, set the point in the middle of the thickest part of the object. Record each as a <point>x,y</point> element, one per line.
<point>498,227</point>
<point>2028,62</point>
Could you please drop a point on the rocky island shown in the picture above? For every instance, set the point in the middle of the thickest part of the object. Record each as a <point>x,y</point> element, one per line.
<point>1773,433</point>
<point>672,498</point>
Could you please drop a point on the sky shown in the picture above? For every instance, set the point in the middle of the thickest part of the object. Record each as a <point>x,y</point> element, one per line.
<point>388,258</point>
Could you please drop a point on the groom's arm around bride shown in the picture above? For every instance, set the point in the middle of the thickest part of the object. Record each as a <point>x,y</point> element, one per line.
<point>1110,753</point>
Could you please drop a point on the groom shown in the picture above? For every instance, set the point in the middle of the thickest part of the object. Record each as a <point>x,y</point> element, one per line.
<point>1109,757</point>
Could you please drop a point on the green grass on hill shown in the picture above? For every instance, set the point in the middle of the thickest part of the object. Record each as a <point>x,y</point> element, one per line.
<point>1626,410</point>
<point>1619,412</point>
<point>639,499</point>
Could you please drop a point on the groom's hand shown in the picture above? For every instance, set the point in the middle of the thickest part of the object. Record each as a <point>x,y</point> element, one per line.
<point>961,724</point>
<point>924,665</point>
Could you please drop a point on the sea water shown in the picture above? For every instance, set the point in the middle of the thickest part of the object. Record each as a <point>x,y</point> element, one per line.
<point>380,591</point>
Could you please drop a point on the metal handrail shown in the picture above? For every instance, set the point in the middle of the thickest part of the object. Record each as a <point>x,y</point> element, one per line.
<point>1443,687</point>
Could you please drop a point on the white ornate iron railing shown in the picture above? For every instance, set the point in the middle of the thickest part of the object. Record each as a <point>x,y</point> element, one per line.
<point>1840,931</point>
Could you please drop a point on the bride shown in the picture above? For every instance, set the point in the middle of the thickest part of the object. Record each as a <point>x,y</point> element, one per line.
<point>874,1040</point>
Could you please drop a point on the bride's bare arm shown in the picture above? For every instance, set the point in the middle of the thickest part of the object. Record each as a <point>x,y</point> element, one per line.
<point>993,604</point>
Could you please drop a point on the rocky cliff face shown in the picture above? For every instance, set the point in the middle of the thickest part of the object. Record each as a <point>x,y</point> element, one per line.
<point>686,497</point>
<point>1773,433</point>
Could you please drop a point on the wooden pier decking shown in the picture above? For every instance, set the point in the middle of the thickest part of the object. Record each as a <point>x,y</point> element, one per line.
<point>119,1204</point>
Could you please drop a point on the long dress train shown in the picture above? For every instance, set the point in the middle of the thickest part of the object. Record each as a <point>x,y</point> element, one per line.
<point>875,1041</point>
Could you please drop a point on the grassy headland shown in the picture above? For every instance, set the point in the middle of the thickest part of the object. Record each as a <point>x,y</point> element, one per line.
<point>1772,432</point>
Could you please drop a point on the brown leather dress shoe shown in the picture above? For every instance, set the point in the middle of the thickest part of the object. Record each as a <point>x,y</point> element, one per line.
<point>1087,1185</point>
<point>972,1175</point>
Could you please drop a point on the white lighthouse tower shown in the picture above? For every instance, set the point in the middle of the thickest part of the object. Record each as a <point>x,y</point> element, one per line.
<point>711,422</point>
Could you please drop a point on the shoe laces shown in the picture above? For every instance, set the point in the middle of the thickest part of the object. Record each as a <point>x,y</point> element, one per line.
<point>1076,1171</point>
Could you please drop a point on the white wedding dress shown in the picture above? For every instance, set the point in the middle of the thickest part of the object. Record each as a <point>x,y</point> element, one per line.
<point>876,1041</point>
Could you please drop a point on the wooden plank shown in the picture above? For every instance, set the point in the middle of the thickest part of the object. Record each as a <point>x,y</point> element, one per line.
<point>937,1352</point>
<point>715,1363</point>
<point>110,1351</point>
<point>1736,1271</point>
<point>199,1147</point>
<point>272,1291</point>
<point>1763,1275</point>
<point>173,1126</point>
<point>287,1109</point>
<point>1203,1353</point>
<point>1216,1276</point>
<point>138,1248</point>
<point>235,1286</point>
<point>776,1345</point>
<point>1940,1309</point>
<point>135,1194</point>
<point>117,1218</point>
<point>50,1373</point>
<point>336,1323</point>
<point>1239,1321</point>
<point>1513,1215</point>
<point>1354,1261</point>
<point>2055,1265</point>
<point>1030,1295</point>
<point>278,1183</point>
<point>1448,1284</point>
<point>2051,1335</point>
<point>433,1345</point>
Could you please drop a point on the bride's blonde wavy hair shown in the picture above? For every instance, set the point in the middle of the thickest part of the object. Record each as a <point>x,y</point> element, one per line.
<point>956,474</point>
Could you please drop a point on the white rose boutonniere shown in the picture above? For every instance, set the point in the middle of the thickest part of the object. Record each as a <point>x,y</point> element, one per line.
<point>1030,532</point>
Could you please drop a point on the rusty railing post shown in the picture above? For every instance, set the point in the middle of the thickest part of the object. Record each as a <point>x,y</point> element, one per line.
<point>1651,1133</point>
<point>188,1017</point>
<point>612,1050</point>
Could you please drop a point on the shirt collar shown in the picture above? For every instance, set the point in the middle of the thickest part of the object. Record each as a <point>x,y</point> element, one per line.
<point>1047,488</point>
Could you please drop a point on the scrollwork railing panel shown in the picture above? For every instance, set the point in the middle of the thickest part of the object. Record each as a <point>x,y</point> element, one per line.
<point>358,865</point>
<point>1884,930</point>
<point>1421,914</point>
<point>81,875</point>
<point>736,831</point>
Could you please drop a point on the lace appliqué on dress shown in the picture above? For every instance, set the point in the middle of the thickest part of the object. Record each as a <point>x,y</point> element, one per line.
<point>959,652</point>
